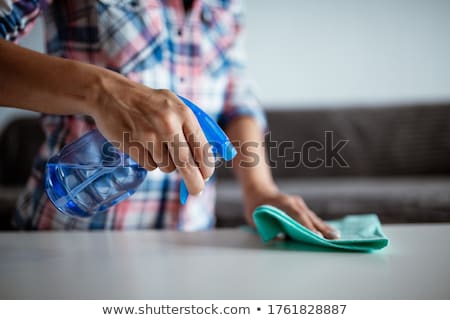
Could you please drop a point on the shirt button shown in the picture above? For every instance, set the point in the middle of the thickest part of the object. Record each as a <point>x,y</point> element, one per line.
<point>180,32</point>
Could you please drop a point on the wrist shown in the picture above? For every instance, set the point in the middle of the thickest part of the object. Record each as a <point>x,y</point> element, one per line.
<point>94,90</point>
<point>92,87</point>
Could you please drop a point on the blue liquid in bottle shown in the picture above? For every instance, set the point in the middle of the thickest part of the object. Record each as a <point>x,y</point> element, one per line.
<point>91,175</point>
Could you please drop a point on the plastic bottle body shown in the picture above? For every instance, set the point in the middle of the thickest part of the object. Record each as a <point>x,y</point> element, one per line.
<point>90,175</point>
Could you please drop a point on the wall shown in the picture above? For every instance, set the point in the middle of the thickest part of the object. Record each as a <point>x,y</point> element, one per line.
<point>349,51</point>
<point>328,52</point>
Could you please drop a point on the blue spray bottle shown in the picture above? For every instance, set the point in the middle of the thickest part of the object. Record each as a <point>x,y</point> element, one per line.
<point>90,175</point>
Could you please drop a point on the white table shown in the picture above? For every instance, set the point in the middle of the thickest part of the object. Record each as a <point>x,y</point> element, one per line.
<point>221,264</point>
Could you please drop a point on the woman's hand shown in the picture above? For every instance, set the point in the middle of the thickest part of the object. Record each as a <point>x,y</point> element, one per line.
<point>258,185</point>
<point>294,206</point>
<point>154,127</point>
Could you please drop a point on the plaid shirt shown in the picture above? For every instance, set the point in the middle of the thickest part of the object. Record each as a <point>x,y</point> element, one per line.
<point>197,54</point>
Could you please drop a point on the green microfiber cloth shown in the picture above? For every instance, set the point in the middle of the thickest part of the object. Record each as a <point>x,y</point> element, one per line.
<point>358,232</point>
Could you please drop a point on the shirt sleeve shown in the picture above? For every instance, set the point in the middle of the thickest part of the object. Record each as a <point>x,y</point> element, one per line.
<point>240,98</point>
<point>17,17</point>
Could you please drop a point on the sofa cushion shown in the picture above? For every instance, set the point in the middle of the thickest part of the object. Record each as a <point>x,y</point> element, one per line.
<point>395,200</point>
<point>382,141</point>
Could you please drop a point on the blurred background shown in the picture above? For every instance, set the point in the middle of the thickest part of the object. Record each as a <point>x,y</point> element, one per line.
<point>341,52</point>
<point>335,53</point>
<point>375,73</point>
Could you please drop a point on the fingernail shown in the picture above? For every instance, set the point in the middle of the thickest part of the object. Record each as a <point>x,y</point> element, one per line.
<point>335,234</point>
<point>207,179</point>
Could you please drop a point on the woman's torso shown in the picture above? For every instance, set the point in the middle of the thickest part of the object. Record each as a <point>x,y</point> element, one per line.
<point>152,42</point>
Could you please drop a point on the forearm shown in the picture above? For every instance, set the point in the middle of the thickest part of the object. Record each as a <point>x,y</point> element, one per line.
<point>250,164</point>
<point>34,81</point>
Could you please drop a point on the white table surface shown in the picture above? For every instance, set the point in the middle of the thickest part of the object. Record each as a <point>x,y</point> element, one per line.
<point>220,264</point>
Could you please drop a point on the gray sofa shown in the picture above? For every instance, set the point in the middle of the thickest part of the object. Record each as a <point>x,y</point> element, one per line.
<point>396,162</point>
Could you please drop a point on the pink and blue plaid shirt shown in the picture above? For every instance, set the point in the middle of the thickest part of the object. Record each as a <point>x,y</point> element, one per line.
<point>197,54</point>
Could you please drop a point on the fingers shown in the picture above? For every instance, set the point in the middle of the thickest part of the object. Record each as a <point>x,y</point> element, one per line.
<point>170,164</point>
<point>189,149</point>
<point>302,216</point>
<point>168,156</point>
<point>160,152</point>
<point>140,155</point>
<point>200,148</point>
<point>181,155</point>
<point>314,223</point>
<point>176,139</point>
<point>327,231</point>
